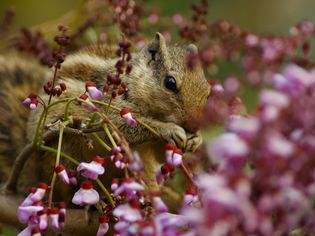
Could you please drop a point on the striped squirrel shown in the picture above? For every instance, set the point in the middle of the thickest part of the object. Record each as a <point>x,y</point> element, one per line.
<point>163,92</point>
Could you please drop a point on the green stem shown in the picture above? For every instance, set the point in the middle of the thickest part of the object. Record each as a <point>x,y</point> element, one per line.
<point>106,104</point>
<point>40,121</point>
<point>53,150</point>
<point>66,117</point>
<point>53,180</point>
<point>105,127</point>
<point>109,197</point>
<point>103,144</point>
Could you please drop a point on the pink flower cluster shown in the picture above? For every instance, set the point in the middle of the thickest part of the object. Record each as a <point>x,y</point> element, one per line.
<point>33,213</point>
<point>263,180</point>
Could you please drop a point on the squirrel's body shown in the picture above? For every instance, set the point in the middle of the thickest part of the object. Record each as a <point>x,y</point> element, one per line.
<point>168,112</point>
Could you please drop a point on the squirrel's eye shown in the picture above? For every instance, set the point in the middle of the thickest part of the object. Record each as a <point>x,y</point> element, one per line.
<point>170,83</point>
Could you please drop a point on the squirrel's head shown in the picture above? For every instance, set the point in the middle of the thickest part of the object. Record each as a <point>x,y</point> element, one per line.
<point>166,88</point>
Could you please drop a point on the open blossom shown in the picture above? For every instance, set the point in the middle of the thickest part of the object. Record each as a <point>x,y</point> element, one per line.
<point>127,213</point>
<point>93,91</point>
<point>129,188</point>
<point>93,169</point>
<point>86,195</point>
<point>62,174</point>
<point>103,228</point>
<point>26,212</point>
<point>129,119</point>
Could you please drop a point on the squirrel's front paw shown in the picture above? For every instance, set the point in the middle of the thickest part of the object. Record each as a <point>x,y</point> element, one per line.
<point>193,141</point>
<point>174,134</point>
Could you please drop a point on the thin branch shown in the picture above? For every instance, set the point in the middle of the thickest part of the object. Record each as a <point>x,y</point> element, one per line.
<point>27,152</point>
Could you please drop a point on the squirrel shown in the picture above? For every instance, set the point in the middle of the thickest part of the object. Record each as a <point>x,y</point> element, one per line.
<point>162,91</point>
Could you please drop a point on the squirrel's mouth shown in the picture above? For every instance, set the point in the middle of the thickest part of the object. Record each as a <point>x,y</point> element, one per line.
<point>192,124</point>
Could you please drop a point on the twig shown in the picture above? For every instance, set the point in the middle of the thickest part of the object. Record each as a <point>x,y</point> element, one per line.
<point>29,149</point>
<point>187,173</point>
<point>53,180</point>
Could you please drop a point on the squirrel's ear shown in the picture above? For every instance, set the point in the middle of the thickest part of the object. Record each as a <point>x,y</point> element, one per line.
<point>158,47</point>
<point>192,48</point>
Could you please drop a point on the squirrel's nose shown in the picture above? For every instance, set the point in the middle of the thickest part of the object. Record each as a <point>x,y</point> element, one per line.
<point>192,124</point>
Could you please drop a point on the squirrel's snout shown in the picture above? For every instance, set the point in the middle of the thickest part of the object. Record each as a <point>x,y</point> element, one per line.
<point>192,124</point>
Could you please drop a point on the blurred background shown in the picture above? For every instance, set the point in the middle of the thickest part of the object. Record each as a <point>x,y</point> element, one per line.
<point>269,16</point>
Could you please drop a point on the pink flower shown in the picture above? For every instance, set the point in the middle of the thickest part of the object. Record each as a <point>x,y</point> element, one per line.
<point>25,212</point>
<point>31,101</point>
<point>164,172</point>
<point>103,228</point>
<point>135,163</point>
<point>28,201</point>
<point>169,149</point>
<point>40,192</point>
<point>73,177</point>
<point>129,119</point>
<point>62,173</point>
<point>177,19</point>
<point>86,195</point>
<point>246,127</point>
<point>94,92</point>
<point>279,145</point>
<point>153,18</point>
<point>93,169</point>
<point>274,98</point>
<point>128,213</point>
<point>43,219</point>
<point>177,157</point>
<point>129,188</point>
<point>62,214</point>
<point>53,215</point>
<point>158,203</point>
<point>226,147</point>
<point>190,197</point>
<point>115,184</point>
<point>252,40</point>
<point>173,155</point>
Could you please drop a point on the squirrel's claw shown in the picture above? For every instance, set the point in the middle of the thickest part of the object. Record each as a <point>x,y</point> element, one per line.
<point>193,142</point>
<point>174,134</point>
